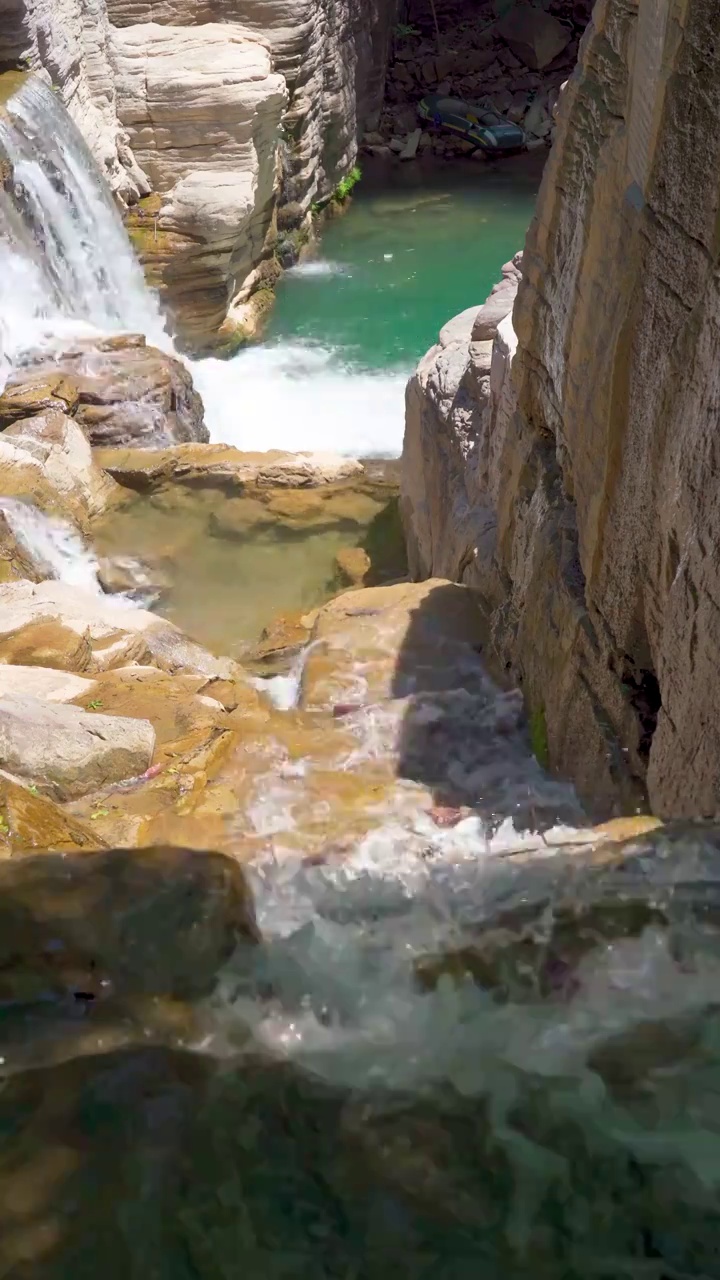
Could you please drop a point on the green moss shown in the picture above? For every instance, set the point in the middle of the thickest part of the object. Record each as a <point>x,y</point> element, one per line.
<point>538,736</point>
<point>347,185</point>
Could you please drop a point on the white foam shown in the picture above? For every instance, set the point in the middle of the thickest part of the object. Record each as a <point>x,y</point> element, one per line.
<point>66,265</point>
<point>53,545</point>
<point>295,396</point>
<point>319,267</point>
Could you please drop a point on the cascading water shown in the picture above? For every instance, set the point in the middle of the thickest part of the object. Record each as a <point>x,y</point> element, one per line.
<point>373,1108</point>
<point>66,265</point>
<point>53,545</point>
<point>67,269</point>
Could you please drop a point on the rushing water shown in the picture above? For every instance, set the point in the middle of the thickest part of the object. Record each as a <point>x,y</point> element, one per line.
<point>416,247</point>
<point>446,1058</point>
<point>66,265</point>
<point>56,548</point>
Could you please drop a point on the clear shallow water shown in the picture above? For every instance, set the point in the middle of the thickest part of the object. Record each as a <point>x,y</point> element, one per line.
<point>417,246</point>
<point>232,567</point>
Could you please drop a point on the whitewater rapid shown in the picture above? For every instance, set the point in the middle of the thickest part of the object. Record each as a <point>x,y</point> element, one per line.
<point>67,270</point>
<point>295,396</point>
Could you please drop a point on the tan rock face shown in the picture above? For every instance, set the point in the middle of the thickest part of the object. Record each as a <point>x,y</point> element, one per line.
<point>68,750</point>
<point>53,625</point>
<point>47,460</point>
<point>120,391</point>
<point>219,466</point>
<point>202,107</point>
<point>185,107</point>
<point>449,481</point>
<point>599,498</point>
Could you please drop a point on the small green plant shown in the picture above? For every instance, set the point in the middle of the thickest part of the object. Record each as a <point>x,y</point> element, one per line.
<point>99,813</point>
<point>33,789</point>
<point>95,705</point>
<point>4,828</point>
<point>347,184</point>
<point>404,30</point>
<point>538,737</point>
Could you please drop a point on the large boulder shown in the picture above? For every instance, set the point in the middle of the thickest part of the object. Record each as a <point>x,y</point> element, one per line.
<point>533,35</point>
<point>119,390</point>
<point>447,491</point>
<point>47,460</point>
<point>158,921</point>
<point>68,751</point>
<point>53,625</point>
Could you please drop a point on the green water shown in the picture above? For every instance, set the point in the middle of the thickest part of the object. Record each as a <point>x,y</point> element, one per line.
<point>419,244</point>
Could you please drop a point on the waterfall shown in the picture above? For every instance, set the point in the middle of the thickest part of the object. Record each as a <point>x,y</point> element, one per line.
<point>66,264</point>
<point>68,270</point>
<point>52,544</point>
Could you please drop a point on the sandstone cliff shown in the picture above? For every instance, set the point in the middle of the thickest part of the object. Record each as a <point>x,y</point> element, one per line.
<point>574,479</point>
<point>221,112</point>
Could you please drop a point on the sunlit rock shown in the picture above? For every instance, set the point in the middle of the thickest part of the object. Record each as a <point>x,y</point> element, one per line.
<point>68,751</point>
<point>121,392</point>
<point>47,460</point>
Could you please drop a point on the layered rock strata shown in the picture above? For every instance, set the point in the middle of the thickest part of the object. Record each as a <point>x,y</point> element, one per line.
<point>119,390</point>
<point>577,472</point>
<point>214,117</point>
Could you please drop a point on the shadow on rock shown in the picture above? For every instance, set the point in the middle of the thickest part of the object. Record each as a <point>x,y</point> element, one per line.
<point>462,736</point>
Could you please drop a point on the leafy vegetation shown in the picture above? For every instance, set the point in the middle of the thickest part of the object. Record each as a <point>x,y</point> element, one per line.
<point>405,30</point>
<point>347,184</point>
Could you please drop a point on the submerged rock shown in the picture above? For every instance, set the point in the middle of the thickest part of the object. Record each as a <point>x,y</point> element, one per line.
<point>133,578</point>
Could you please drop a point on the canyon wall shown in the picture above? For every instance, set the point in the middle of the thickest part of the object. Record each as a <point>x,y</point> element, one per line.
<point>218,122</point>
<point>565,459</point>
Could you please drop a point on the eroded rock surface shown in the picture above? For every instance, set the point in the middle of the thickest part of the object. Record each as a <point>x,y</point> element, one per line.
<point>587,474</point>
<point>182,105</point>
<point>67,750</point>
<point>119,390</point>
<point>47,460</point>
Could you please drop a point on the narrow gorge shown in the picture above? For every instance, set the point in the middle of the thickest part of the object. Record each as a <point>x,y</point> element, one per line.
<point>358,764</point>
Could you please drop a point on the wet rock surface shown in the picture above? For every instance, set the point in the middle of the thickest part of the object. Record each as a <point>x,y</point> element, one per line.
<point>349,1101</point>
<point>119,390</point>
<point>47,460</point>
